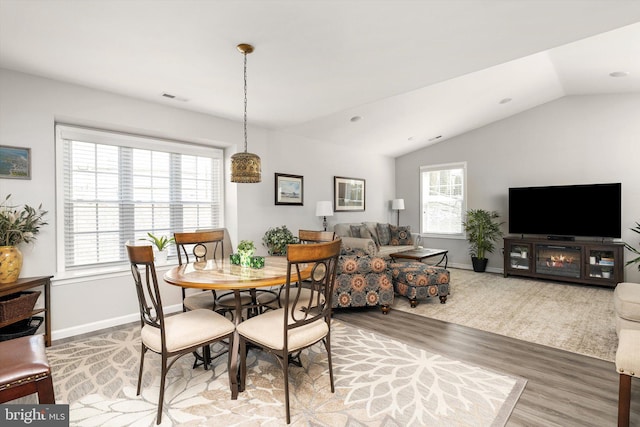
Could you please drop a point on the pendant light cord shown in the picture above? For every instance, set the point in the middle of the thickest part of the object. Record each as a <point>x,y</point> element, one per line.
<point>245,102</point>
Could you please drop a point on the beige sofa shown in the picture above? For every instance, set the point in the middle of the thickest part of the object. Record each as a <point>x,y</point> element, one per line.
<point>372,237</point>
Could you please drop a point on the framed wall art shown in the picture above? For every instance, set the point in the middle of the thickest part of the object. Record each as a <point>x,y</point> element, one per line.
<point>15,162</point>
<point>348,194</point>
<point>289,189</point>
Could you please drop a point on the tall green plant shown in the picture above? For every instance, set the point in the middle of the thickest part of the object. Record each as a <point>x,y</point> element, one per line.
<point>634,250</point>
<point>483,230</point>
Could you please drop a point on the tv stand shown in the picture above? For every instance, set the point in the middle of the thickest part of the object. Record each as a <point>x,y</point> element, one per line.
<point>585,262</point>
<point>562,238</point>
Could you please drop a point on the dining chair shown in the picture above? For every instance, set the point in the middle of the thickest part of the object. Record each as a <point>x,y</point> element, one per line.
<point>201,245</point>
<point>172,336</point>
<point>314,236</point>
<point>304,236</point>
<point>302,323</point>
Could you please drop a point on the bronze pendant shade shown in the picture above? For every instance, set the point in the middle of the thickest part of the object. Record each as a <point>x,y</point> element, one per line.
<point>245,167</point>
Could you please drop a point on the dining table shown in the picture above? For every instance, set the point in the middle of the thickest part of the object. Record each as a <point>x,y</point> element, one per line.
<point>222,275</point>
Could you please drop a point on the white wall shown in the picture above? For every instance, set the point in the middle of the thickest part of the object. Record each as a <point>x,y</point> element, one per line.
<point>574,140</point>
<point>29,107</point>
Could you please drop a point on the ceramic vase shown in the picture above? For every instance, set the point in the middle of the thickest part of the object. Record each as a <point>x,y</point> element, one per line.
<point>10,264</point>
<point>161,257</point>
<point>245,258</point>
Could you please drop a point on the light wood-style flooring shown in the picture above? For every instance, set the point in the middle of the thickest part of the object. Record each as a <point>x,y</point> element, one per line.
<point>563,389</point>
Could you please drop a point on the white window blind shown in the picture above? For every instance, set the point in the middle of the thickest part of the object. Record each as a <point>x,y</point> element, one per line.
<point>117,188</point>
<point>443,199</point>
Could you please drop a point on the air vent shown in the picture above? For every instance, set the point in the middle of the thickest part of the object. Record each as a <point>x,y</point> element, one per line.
<point>177,98</point>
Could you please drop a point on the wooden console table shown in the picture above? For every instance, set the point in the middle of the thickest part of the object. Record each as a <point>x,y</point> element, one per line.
<point>28,283</point>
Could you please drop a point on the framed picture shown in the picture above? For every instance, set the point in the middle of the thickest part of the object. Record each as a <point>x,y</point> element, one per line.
<point>15,162</point>
<point>289,189</point>
<point>348,194</point>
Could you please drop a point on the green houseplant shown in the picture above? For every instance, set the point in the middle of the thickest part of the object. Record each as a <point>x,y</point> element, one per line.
<point>276,240</point>
<point>483,230</point>
<point>634,250</point>
<point>162,244</point>
<point>246,249</point>
<point>16,226</point>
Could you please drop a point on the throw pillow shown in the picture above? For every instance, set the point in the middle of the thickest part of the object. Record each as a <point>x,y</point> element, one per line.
<point>355,231</point>
<point>400,235</point>
<point>374,233</point>
<point>364,232</point>
<point>384,234</point>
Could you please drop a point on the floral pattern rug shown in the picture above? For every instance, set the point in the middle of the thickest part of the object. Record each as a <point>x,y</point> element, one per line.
<point>379,382</point>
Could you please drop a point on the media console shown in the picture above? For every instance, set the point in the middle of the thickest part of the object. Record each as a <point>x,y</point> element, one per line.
<point>586,262</point>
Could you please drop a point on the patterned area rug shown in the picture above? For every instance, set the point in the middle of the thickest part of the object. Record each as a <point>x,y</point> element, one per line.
<point>576,318</point>
<point>379,382</point>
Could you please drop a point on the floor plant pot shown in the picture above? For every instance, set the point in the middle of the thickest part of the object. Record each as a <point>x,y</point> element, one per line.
<point>479,264</point>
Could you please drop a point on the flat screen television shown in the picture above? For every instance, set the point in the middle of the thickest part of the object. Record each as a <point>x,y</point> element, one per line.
<point>566,211</point>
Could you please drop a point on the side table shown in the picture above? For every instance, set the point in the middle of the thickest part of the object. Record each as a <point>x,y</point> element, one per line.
<point>28,283</point>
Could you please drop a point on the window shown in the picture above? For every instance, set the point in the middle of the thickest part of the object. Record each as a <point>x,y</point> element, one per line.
<point>115,188</point>
<point>443,199</point>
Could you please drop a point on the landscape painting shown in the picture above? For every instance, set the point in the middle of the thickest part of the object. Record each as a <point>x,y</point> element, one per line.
<point>15,162</point>
<point>288,189</point>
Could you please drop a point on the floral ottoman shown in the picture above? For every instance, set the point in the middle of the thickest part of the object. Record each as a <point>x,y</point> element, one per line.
<point>416,280</point>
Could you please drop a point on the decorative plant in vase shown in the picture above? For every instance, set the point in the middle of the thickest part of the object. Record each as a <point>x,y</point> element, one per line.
<point>276,240</point>
<point>16,226</point>
<point>632,249</point>
<point>246,249</point>
<point>162,244</point>
<point>482,230</point>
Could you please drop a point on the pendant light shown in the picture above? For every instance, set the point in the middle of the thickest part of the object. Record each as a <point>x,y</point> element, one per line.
<point>245,167</point>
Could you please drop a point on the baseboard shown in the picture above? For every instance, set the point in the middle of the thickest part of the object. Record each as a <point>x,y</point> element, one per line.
<point>470,267</point>
<point>104,324</point>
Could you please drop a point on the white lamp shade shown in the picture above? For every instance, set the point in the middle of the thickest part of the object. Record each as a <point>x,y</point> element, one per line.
<point>397,204</point>
<point>324,208</point>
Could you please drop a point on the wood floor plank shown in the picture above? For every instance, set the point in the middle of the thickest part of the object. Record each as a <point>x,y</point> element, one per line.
<point>563,389</point>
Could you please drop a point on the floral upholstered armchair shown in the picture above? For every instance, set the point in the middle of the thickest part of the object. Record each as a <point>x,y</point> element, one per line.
<point>363,280</point>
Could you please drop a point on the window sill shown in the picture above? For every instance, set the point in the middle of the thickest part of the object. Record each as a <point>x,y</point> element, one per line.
<point>85,275</point>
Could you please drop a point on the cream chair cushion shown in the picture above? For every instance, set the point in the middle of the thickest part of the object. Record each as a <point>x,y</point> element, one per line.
<point>628,354</point>
<point>187,329</point>
<point>268,330</point>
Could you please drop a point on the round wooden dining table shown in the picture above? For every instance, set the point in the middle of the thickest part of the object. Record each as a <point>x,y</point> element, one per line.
<point>221,275</point>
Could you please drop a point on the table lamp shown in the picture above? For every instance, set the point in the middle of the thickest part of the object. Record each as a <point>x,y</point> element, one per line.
<point>397,205</point>
<point>324,209</point>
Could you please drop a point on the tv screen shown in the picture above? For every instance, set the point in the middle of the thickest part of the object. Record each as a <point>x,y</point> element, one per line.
<point>593,210</point>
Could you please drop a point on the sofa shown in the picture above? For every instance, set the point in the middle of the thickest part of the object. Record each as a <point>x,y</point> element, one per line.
<point>376,239</point>
<point>362,280</point>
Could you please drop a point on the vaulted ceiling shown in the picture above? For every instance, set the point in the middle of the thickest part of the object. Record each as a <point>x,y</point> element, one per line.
<point>390,76</point>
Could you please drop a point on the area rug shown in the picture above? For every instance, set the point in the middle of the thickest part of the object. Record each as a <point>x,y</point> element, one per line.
<point>379,382</point>
<point>576,318</point>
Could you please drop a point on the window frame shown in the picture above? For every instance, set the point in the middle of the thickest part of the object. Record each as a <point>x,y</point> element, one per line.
<point>118,139</point>
<point>442,167</point>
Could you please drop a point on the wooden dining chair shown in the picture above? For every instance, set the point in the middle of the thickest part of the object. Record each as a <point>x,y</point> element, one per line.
<point>303,322</point>
<point>314,236</point>
<point>198,246</point>
<point>304,236</point>
<point>173,336</point>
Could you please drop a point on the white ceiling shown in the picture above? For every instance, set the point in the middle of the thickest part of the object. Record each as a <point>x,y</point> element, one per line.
<point>413,70</point>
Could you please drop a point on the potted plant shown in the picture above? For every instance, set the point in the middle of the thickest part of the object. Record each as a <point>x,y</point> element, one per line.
<point>16,226</point>
<point>276,240</point>
<point>246,249</point>
<point>482,230</point>
<point>162,244</point>
<point>634,250</point>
